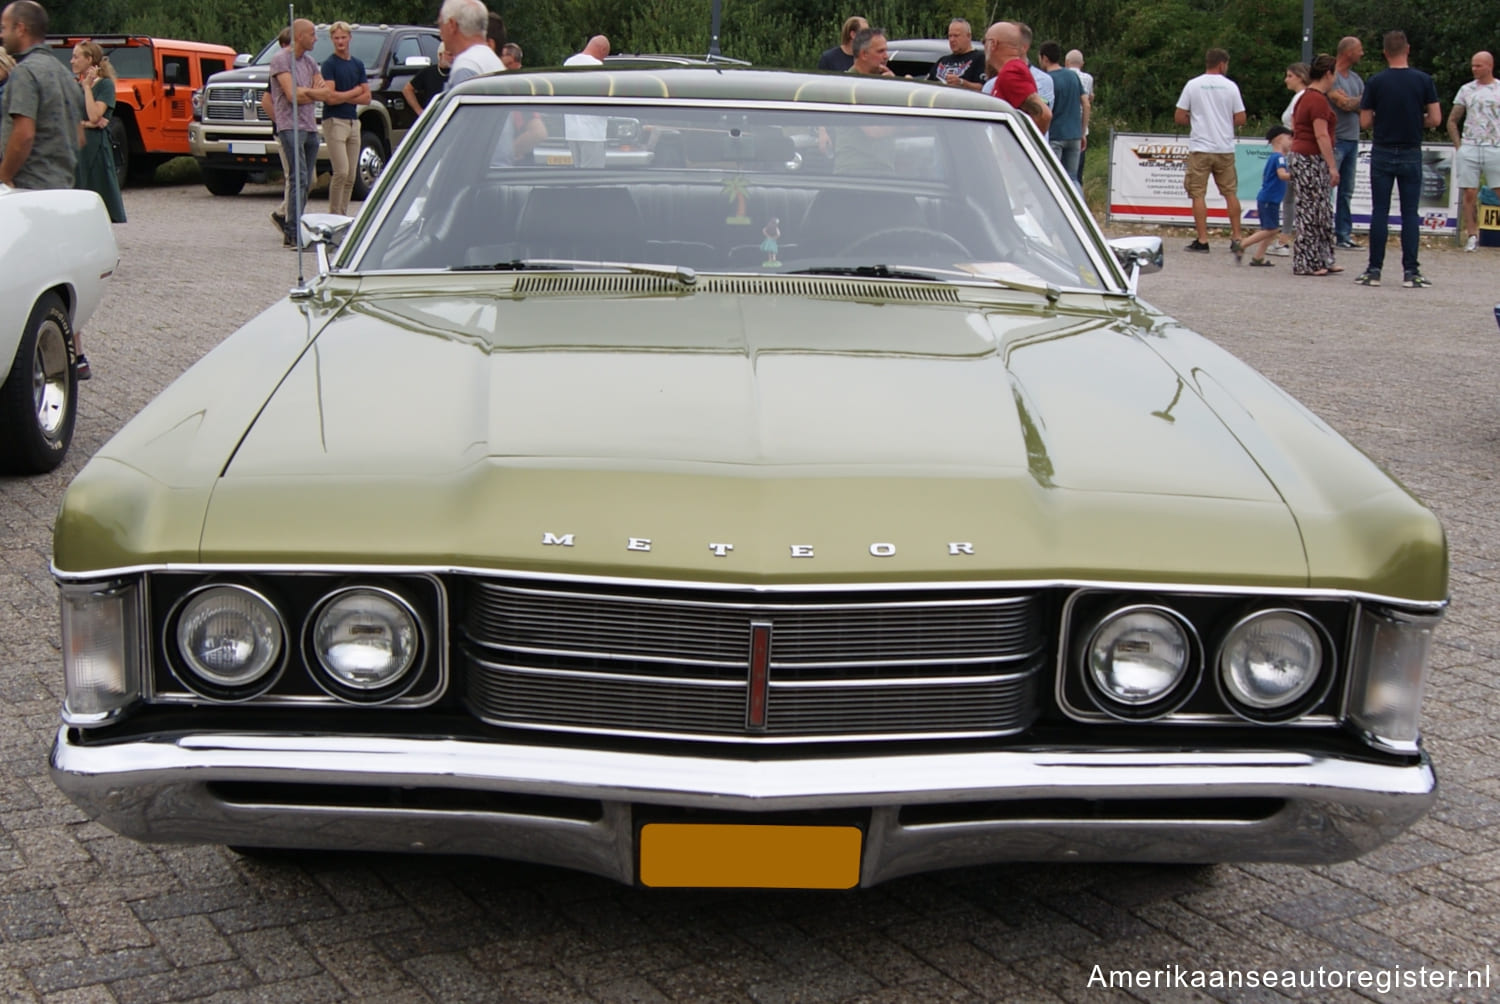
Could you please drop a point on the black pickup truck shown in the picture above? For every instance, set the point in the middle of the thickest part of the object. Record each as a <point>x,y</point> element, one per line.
<point>234,141</point>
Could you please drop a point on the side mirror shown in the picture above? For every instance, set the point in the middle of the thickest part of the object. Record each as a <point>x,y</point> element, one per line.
<point>1138,256</point>
<point>242,59</point>
<point>325,231</point>
<point>416,62</point>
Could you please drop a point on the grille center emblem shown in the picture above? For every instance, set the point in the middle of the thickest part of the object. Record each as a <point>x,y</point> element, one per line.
<point>760,665</point>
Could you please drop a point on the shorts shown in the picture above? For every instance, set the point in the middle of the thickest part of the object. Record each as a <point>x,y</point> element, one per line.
<point>1270,215</point>
<point>1201,165</point>
<point>1474,160</point>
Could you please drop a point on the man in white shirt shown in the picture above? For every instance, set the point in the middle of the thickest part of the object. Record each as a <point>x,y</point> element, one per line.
<point>1474,125</point>
<point>1211,107</point>
<point>464,26</point>
<point>586,134</point>
<point>1074,61</point>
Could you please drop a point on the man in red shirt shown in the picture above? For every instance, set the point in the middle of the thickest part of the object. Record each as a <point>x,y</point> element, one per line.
<point>1010,75</point>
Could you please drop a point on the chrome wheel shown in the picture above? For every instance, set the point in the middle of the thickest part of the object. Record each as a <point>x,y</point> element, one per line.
<point>371,163</point>
<point>39,398</point>
<point>50,383</point>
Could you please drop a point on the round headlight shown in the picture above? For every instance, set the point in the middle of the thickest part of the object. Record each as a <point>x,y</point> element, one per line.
<point>1137,659</point>
<point>1270,661</point>
<point>231,639</point>
<point>366,640</point>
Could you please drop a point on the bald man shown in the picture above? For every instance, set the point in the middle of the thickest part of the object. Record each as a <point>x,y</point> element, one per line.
<point>1010,74</point>
<point>1477,110</point>
<point>1348,88</point>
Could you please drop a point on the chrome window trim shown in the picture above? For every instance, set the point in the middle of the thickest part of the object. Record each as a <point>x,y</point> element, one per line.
<point>1095,244</point>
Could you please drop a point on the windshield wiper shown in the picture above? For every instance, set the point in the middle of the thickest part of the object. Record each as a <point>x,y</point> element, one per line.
<point>869,272</point>
<point>681,273</point>
<point>1046,289</point>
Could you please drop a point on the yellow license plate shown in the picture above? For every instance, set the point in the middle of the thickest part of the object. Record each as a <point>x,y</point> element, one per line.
<point>714,855</point>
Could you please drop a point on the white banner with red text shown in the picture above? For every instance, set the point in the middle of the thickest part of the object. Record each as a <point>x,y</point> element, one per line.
<point>1146,172</point>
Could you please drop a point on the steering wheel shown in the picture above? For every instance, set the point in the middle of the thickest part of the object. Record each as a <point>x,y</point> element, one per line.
<point>908,239</point>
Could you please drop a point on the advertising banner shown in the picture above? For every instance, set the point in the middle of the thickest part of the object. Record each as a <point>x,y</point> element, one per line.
<point>1146,172</point>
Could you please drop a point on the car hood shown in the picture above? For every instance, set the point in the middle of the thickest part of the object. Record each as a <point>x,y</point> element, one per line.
<point>763,439</point>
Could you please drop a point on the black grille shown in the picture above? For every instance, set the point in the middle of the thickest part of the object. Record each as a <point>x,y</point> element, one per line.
<point>679,664</point>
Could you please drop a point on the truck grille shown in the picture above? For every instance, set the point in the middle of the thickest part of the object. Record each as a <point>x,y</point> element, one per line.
<point>684,663</point>
<point>233,104</point>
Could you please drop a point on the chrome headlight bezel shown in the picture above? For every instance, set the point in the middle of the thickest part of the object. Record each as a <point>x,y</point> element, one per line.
<point>338,684</point>
<point>1309,693</point>
<point>1169,697</point>
<point>203,681</point>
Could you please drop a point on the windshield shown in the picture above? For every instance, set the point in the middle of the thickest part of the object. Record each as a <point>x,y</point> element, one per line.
<point>364,46</point>
<point>763,190</point>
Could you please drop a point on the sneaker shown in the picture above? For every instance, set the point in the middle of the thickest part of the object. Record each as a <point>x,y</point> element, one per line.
<point>1415,280</point>
<point>1282,250</point>
<point>1197,246</point>
<point>1472,244</point>
<point>1346,244</point>
<point>278,220</point>
<point>81,367</point>
<point>1236,250</point>
<point>1368,278</point>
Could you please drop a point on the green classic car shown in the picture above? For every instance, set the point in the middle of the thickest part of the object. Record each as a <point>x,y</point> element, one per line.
<point>809,501</point>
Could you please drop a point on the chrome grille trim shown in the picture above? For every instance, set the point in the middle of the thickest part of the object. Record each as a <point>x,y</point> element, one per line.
<point>605,625</point>
<point>678,663</point>
<point>522,697</point>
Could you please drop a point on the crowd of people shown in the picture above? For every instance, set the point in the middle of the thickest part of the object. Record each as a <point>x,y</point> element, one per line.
<point>1057,94</point>
<point>55,128</point>
<point>1311,172</point>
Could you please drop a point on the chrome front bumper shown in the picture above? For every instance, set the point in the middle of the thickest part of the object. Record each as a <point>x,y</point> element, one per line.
<point>1322,808</point>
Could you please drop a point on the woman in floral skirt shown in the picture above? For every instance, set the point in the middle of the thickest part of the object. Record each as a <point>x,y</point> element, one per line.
<point>1314,172</point>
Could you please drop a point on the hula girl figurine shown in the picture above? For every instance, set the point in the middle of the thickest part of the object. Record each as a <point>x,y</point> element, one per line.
<point>770,245</point>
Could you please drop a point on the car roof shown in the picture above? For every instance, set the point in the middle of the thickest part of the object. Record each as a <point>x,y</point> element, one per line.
<point>731,84</point>
<point>58,41</point>
<point>670,59</point>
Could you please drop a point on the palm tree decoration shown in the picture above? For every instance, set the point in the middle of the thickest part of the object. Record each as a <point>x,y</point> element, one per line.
<point>737,189</point>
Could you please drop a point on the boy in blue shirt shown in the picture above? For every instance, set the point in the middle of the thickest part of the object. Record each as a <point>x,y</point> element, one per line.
<point>1272,190</point>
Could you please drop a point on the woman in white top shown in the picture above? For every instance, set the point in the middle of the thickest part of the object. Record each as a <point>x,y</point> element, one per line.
<point>1296,82</point>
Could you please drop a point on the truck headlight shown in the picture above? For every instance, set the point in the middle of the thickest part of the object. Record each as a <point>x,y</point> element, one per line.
<point>1389,675</point>
<point>101,651</point>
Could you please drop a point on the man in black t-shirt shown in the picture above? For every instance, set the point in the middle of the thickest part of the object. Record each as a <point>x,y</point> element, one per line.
<point>964,66</point>
<point>841,57</point>
<point>1398,103</point>
<point>428,83</point>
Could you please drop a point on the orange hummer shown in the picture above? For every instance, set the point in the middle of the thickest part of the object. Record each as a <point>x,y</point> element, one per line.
<point>153,96</point>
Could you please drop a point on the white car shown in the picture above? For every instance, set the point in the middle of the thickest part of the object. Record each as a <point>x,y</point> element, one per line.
<point>58,251</point>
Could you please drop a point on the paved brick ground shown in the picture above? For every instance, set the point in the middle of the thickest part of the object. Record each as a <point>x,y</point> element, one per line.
<point>86,916</point>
